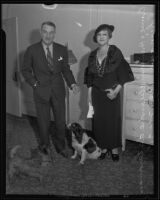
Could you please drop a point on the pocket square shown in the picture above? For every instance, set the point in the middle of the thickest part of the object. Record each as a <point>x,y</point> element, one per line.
<point>60,58</point>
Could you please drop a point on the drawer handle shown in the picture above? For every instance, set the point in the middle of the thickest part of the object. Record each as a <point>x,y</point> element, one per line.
<point>135,110</point>
<point>136,92</point>
<point>149,136</point>
<point>150,103</point>
<point>149,90</point>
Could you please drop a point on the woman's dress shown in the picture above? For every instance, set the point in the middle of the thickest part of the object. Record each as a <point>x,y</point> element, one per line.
<point>107,113</point>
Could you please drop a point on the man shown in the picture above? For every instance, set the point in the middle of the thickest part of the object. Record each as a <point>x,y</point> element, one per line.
<point>44,67</point>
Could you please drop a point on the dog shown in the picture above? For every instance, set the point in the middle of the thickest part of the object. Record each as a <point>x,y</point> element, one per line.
<point>18,164</point>
<point>82,143</point>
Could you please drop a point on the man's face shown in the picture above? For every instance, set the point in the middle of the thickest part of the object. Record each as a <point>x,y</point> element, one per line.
<point>47,34</point>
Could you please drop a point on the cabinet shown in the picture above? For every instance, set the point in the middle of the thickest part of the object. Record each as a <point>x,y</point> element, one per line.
<point>137,123</point>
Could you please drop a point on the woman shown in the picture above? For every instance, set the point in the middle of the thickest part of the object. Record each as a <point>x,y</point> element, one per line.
<point>105,75</point>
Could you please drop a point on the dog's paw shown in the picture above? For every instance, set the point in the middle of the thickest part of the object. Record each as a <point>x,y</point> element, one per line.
<point>73,157</point>
<point>81,162</point>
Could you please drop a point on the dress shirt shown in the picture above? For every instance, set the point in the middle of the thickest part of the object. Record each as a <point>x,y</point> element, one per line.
<point>50,49</point>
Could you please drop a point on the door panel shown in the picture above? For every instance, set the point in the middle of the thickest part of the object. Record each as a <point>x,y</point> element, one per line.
<point>13,96</point>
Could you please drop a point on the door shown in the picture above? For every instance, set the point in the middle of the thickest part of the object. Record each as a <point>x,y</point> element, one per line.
<point>13,95</point>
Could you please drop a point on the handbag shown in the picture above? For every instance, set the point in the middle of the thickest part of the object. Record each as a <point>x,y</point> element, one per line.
<point>90,111</point>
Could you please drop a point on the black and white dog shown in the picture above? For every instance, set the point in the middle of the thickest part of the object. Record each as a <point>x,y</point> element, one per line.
<point>83,145</point>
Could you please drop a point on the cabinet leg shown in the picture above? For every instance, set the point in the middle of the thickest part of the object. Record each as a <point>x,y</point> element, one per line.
<point>123,144</point>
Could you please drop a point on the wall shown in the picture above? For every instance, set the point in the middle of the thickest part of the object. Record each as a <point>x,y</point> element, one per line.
<point>75,25</point>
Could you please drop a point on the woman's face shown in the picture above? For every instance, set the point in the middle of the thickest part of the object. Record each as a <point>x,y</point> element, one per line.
<point>103,37</point>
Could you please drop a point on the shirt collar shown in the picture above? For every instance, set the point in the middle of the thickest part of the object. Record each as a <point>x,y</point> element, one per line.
<point>45,46</point>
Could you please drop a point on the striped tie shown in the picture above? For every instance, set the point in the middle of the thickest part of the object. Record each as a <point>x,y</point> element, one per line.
<point>49,59</point>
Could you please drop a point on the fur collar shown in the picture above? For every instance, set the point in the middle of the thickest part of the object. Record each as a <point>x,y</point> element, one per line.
<point>114,59</point>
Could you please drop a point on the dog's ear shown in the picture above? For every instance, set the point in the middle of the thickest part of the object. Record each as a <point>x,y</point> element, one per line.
<point>78,132</point>
<point>79,136</point>
<point>90,146</point>
<point>78,128</point>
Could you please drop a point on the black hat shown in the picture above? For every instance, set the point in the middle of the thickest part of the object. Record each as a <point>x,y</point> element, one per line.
<point>107,26</point>
<point>103,27</point>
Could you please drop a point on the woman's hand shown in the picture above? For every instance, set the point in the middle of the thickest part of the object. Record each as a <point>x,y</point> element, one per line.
<point>112,94</point>
<point>75,88</point>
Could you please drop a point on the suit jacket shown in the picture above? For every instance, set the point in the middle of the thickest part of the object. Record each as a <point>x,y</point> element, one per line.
<point>35,68</point>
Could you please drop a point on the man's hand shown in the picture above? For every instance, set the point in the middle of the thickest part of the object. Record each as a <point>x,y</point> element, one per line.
<point>36,84</point>
<point>75,88</point>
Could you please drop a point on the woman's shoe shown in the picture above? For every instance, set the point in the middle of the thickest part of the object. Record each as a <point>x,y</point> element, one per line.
<point>103,155</point>
<point>115,157</point>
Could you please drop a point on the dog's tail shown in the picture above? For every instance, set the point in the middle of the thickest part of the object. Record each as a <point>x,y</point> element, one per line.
<point>14,150</point>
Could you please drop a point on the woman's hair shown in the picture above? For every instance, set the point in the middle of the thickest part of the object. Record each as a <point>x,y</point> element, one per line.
<point>102,27</point>
<point>49,23</point>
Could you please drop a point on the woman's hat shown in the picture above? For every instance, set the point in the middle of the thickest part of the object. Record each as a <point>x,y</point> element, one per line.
<point>103,27</point>
<point>111,27</point>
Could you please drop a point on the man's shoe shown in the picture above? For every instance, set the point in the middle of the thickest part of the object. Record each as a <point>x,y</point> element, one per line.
<point>64,153</point>
<point>46,160</point>
<point>115,157</point>
<point>46,155</point>
<point>43,150</point>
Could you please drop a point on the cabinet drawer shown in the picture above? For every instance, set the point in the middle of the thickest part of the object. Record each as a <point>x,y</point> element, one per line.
<point>139,130</point>
<point>142,70</point>
<point>147,78</point>
<point>139,110</point>
<point>139,92</point>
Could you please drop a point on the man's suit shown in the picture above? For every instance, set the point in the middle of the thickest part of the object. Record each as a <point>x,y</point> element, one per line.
<point>50,89</point>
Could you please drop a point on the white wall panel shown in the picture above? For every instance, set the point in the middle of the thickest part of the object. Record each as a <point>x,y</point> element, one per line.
<point>75,25</point>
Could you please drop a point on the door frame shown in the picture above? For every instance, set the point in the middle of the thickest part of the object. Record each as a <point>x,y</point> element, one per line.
<point>18,84</point>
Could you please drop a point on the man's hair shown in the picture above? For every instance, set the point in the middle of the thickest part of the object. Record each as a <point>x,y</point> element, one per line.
<point>49,23</point>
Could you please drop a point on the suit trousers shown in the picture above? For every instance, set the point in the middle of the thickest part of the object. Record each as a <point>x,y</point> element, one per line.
<point>43,107</point>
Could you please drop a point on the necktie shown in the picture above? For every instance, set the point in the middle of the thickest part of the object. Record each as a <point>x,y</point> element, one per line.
<point>49,59</point>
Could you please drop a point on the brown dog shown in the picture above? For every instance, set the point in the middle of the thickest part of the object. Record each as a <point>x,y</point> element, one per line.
<point>18,164</point>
